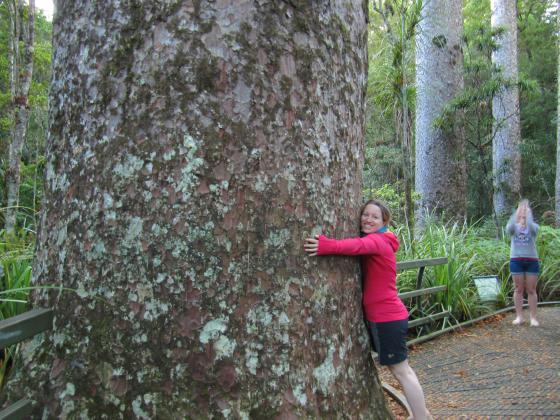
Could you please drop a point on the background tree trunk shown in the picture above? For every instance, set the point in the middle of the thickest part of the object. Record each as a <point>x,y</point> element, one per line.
<point>557,183</point>
<point>505,111</point>
<point>21,73</point>
<point>440,160</point>
<point>194,145</point>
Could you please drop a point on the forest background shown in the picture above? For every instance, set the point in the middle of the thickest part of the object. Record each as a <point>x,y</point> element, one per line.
<point>474,245</point>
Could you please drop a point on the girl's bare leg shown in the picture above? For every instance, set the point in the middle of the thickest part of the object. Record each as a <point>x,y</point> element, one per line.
<point>531,287</point>
<point>519,282</point>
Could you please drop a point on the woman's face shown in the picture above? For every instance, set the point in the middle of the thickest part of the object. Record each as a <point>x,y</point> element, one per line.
<point>372,219</point>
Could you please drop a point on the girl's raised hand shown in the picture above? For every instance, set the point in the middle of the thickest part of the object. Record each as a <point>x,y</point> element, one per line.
<point>311,246</point>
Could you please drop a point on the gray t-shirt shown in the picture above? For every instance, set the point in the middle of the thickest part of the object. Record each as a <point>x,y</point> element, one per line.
<point>523,240</point>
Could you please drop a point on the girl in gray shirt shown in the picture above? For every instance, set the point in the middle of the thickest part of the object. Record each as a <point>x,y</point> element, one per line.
<point>524,261</point>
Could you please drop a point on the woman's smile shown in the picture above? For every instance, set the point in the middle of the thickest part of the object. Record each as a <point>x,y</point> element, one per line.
<point>371,220</point>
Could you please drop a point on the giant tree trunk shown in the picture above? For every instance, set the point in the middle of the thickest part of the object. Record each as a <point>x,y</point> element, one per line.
<point>557,207</point>
<point>440,158</point>
<point>21,71</point>
<point>505,111</point>
<point>194,145</point>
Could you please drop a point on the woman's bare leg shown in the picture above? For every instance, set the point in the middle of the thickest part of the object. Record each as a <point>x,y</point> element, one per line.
<point>531,287</point>
<point>519,282</point>
<point>411,388</point>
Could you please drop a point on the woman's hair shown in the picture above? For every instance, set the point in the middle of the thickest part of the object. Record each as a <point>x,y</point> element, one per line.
<point>385,212</point>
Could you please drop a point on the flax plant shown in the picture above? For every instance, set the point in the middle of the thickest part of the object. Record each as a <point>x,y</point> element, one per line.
<point>548,245</point>
<point>455,241</point>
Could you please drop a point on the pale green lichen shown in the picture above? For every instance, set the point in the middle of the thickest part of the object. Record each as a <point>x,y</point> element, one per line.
<point>128,168</point>
<point>144,292</point>
<point>278,239</point>
<point>61,236</point>
<point>188,176</point>
<point>281,368</point>
<point>137,408</point>
<point>169,155</point>
<point>251,360</point>
<point>212,330</point>
<point>224,347</point>
<point>59,339</point>
<point>299,393</point>
<point>139,339</point>
<point>260,184</point>
<point>81,290</point>
<point>134,230</point>
<point>259,315</point>
<point>70,391</point>
<point>107,201</point>
<point>159,230</point>
<point>153,309</point>
<point>283,319</point>
<point>325,374</point>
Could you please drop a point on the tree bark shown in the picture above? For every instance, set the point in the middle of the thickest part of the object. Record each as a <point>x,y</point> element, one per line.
<point>505,111</point>
<point>21,73</point>
<point>193,146</point>
<point>440,159</point>
<point>557,183</point>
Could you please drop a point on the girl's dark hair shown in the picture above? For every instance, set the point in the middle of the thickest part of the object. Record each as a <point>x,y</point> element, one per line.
<point>385,212</point>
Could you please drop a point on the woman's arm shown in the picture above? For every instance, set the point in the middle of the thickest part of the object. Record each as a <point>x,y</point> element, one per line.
<point>321,245</point>
<point>510,227</point>
<point>533,227</point>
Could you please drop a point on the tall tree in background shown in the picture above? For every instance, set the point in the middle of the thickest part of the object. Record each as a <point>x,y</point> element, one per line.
<point>193,147</point>
<point>399,19</point>
<point>557,183</point>
<point>440,161</point>
<point>505,110</point>
<point>20,58</point>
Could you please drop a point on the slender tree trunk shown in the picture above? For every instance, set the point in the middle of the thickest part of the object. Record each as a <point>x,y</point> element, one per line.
<point>557,207</point>
<point>193,146</point>
<point>408,164</point>
<point>505,111</point>
<point>21,76</point>
<point>440,159</point>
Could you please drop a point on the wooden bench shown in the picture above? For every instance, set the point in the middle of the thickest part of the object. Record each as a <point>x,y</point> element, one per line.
<point>419,292</point>
<point>14,330</point>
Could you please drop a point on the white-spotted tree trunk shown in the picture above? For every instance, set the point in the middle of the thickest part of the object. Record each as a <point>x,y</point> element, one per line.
<point>557,207</point>
<point>193,146</point>
<point>440,159</point>
<point>505,111</point>
<point>22,28</point>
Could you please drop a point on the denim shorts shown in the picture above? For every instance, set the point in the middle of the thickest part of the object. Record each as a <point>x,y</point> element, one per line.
<point>389,340</point>
<point>524,266</point>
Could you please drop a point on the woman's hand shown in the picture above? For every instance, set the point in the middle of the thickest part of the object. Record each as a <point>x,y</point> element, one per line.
<point>311,246</point>
<point>523,211</point>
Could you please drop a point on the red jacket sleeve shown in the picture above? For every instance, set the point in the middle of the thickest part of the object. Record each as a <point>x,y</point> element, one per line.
<point>367,245</point>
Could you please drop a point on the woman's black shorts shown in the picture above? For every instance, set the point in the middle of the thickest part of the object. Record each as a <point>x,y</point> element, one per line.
<point>389,340</point>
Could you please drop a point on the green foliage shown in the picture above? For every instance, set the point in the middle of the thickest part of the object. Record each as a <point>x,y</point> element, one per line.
<point>32,165</point>
<point>391,92</point>
<point>391,85</point>
<point>16,254</point>
<point>548,244</point>
<point>538,57</point>
<point>393,198</point>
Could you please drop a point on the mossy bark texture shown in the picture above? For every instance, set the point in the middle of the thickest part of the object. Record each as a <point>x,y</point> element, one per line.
<point>193,146</point>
